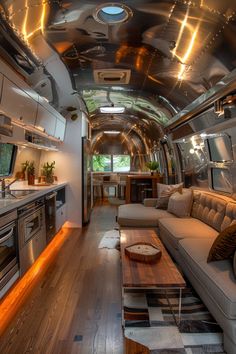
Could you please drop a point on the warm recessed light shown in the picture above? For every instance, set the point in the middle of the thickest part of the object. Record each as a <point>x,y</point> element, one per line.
<point>112,109</point>
<point>115,132</point>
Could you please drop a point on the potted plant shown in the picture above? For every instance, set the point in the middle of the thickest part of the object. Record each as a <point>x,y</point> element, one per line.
<point>48,171</point>
<point>152,166</point>
<point>21,174</point>
<point>30,172</point>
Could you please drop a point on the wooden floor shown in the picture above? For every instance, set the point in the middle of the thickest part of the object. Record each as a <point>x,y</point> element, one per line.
<point>76,305</point>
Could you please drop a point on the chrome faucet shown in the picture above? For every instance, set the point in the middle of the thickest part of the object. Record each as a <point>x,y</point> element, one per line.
<point>6,189</point>
<point>3,188</point>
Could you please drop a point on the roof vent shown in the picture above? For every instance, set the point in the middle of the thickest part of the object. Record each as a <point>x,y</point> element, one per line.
<point>112,76</point>
<point>112,13</point>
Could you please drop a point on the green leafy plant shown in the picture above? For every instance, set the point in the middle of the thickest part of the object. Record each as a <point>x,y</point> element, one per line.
<point>24,166</point>
<point>30,168</point>
<point>48,171</point>
<point>152,165</point>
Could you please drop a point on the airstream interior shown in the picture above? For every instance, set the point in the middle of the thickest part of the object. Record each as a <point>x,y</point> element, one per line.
<point>118,177</point>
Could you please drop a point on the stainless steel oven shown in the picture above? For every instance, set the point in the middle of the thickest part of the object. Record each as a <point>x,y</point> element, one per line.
<point>8,247</point>
<point>32,233</point>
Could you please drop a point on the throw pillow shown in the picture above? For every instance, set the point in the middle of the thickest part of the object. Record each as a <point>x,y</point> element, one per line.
<point>234,264</point>
<point>181,204</point>
<point>164,192</point>
<point>224,245</point>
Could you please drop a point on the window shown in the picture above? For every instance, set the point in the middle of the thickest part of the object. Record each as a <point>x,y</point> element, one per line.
<point>121,163</point>
<point>221,180</point>
<point>111,163</point>
<point>220,148</point>
<point>7,159</point>
<point>102,163</point>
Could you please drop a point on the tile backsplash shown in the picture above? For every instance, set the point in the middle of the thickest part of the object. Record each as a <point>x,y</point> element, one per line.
<point>25,153</point>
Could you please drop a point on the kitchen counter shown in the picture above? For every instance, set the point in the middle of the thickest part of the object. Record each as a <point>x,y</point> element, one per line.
<point>10,204</point>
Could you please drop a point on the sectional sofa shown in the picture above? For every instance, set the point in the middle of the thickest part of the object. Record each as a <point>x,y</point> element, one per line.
<point>189,240</point>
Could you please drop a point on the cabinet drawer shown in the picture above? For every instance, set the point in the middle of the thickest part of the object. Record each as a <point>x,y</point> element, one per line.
<point>31,251</point>
<point>61,217</point>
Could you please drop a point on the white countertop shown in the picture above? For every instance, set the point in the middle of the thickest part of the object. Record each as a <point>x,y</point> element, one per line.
<point>10,204</point>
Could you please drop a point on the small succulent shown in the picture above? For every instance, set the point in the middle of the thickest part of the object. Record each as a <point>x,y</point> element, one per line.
<point>48,171</point>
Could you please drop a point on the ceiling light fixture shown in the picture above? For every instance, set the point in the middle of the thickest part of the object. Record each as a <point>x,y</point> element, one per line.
<point>112,109</point>
<point>115,132</point>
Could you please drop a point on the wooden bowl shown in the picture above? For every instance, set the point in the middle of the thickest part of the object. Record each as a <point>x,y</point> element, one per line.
<point>143,252</point>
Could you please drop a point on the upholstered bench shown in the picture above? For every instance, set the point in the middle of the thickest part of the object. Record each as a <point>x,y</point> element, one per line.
<point>189,240</point>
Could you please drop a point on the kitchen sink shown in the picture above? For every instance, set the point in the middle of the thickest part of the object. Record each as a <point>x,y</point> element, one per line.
<point>18,194</point>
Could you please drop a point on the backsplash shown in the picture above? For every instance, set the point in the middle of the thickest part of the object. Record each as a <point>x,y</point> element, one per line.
<point>25,153</point>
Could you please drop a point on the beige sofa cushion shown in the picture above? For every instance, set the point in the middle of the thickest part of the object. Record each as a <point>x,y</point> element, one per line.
<point>216,277</point>
<point>177,229</point>
<point>230,216</point>
<point>209,208</point>
<point>180,204</point>
<point>138,215</point>
<point>164,191</point>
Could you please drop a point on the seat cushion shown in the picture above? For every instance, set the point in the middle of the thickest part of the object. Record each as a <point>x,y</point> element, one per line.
<point>139,215</point>
<point>177,229</point>
<point>216,277</point>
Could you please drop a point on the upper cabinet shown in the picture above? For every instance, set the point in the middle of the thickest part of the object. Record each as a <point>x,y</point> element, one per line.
<point>50,119</point>
<point>60,128</point>
<point>18,104</point>
<point>45,120</point>
<point>23,105</point>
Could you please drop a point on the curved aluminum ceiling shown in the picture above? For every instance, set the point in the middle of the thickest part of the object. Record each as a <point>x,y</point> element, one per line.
<point>176,50</point>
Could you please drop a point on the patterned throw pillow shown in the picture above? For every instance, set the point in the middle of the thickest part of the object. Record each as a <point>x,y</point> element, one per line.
<point>181,204</point>
<point>164,191</point>
<point>224,245</point>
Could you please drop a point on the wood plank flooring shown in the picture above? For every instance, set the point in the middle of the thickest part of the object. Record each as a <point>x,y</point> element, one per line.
<point>76,305</point>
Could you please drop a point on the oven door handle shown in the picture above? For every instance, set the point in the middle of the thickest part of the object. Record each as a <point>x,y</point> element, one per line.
<point>48,197</point>
<point>4,238</point>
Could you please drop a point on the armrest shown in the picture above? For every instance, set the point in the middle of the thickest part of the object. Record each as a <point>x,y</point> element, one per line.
<point>150,202</point>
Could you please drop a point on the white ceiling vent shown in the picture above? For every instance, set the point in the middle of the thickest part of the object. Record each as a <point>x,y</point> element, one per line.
<point>112,76</point>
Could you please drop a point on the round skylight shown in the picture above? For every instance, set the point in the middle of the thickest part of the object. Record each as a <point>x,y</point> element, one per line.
<point>112,10</point>
<point>112,13</point>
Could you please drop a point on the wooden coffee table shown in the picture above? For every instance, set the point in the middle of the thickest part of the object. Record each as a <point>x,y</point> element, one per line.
<point>162,275</point>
